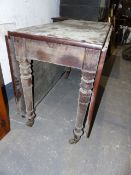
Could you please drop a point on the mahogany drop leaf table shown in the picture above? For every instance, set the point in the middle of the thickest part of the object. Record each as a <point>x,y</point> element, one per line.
<point>72,43</point>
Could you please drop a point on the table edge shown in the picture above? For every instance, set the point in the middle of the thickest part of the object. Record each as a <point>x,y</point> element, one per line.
<point>56,40</point>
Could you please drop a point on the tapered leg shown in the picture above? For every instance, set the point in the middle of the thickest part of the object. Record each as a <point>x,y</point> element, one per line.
<point>26,80</point>
<point>85,92</point>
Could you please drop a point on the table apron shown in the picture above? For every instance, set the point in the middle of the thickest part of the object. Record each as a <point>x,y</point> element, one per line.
<point>65,55</point>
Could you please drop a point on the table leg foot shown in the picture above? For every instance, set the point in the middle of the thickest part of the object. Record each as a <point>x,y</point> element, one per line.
<point>30,122</point>
<point>77,136</point>
<point>74,140</point>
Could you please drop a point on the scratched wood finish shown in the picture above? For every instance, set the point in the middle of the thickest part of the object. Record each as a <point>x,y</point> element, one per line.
<point>86,85</point>
<point>54,76</point>
<point>59,54</point>
<point>15,73</point>
<point>70,43</point>
<point>85,32</point>
<point>26,80</point>
<point>96,85</point>
<point>25,77</point>
<point>89,69</point>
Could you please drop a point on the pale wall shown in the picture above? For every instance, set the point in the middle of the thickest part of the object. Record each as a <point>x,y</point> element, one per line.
<point>21,13</point>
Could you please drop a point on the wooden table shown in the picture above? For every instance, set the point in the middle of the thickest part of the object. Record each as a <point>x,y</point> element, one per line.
<point>71,43</point>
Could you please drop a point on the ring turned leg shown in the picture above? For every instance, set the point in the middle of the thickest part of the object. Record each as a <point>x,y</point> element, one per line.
<point>85,92</point>
<point>26,80</point>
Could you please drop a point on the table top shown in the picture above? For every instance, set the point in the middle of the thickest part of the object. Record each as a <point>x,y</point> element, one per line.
<point>83,32</point>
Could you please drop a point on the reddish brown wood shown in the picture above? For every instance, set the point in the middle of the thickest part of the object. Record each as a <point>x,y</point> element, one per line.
<point>69,32</point>
<point>7,39</point>
<point>4,117</point>
<point>70,52</point>
<point>50,52</point>
<point>54,40</point>
<point>87,79</point>
<point>67,69</point>
<point>15,73</point>
<point>94,94</point>
<point>96,86</point>
<point>26,80</point>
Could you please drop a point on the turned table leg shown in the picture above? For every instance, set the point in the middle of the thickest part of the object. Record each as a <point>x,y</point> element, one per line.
<point>85,92</point>
<point>95,91</point>
<point>26,80</point>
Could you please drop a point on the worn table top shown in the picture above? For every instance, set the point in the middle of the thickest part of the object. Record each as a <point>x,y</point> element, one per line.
<point>87,32</point>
